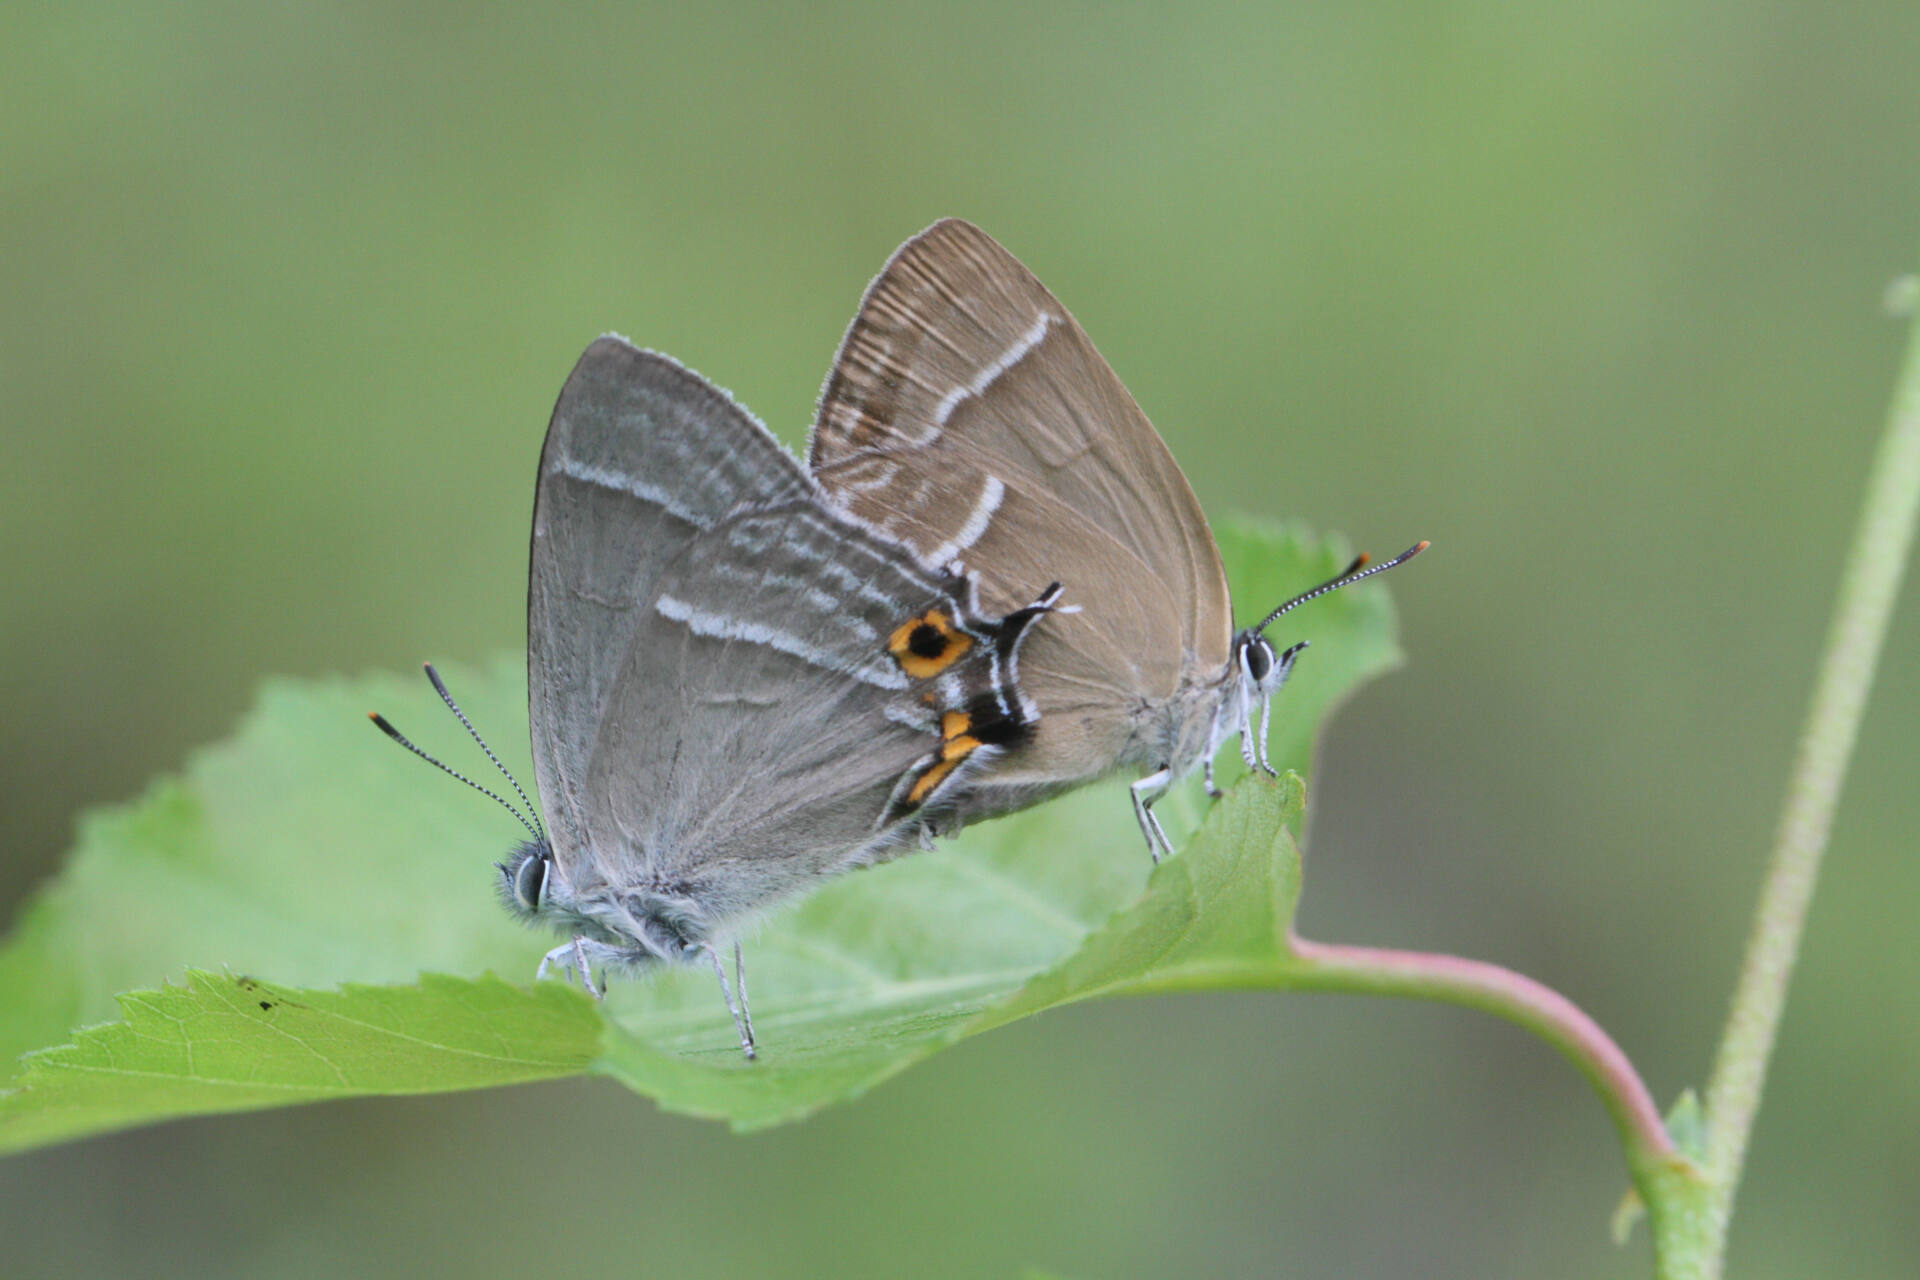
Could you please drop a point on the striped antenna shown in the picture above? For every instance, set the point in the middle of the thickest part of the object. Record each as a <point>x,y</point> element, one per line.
<point>440,687</point>
<point>1353,573</point>
<point>533,826</point>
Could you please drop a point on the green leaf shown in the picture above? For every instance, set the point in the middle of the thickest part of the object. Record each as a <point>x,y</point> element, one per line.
<point>237,1044</point>
<point>308,851</point>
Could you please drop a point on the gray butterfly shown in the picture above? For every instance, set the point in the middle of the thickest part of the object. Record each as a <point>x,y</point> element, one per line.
<point>969,416</point>
<point>736,689</point>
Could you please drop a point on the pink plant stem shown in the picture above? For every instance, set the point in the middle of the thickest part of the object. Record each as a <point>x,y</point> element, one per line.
<point>1517,998</point>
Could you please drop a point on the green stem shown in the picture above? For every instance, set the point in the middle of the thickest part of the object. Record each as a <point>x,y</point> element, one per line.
<point>1875,564</point>
<point>1668,1183</point>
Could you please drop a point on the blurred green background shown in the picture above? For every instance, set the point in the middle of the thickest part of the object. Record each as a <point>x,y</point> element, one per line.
<point>1589,295</point>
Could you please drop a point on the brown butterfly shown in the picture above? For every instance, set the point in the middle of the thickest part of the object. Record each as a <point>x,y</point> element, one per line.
<point>969,416</point>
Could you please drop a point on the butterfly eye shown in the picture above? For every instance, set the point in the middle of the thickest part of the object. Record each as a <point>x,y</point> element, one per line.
<point>525,880</point>
<point>1257,657</point>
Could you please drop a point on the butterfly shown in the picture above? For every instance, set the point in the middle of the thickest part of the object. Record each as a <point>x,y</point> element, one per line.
<point>969,416</point>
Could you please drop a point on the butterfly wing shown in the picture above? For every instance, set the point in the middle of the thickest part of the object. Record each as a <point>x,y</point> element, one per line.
<point>757,735</point>
<point>724,704</point>
<point>970,415</point>
<point>641,457</point>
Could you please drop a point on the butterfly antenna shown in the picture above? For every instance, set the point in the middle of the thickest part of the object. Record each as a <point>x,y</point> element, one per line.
<point>440,687</point>
<point>1346,578</point>
<point>382,724</point>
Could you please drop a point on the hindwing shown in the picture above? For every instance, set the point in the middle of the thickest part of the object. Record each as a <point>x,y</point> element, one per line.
<point>736,687</point>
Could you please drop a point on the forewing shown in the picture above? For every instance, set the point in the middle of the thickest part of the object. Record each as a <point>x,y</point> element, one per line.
<point>641,457</point>
<point>960,366</point>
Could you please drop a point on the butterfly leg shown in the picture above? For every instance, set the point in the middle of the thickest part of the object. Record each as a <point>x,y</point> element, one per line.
<point>1282,670</point>
<point>740,1024</point>
<point>1145,792</point>
<point>580,963</point>
<point>1222,727</point>
<point>1245,719</point>
<point>740,982</point>
<point>1266,718</point>
<point>572,958</point>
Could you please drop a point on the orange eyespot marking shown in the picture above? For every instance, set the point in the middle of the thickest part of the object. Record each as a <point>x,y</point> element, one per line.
<point>931,779</point>
<point>952,752</point>
<point>958,749</point>
<point>928,781</point>
<point>927,645</point>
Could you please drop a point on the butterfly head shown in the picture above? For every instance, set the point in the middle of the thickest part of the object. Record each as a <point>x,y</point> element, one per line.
<point>1259,666</point>
<point>525,879</point>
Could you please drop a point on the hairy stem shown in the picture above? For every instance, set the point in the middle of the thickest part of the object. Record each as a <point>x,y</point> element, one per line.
<point>1875,564</point>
